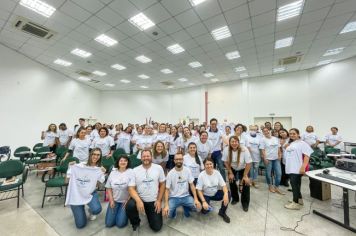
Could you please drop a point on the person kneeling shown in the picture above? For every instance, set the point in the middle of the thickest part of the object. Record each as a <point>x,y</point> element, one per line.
<point>210,183</point>
<point>178,181</point>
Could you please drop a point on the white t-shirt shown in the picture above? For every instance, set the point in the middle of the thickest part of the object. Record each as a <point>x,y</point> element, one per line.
<point>119,182</point>
<point>243,138</point>
<point>158,159</point>
<point>82,183</point>
<point>204,149</point>
<point>178,182</point>
<point>254,145</point>
<point>94,134</point>
<point>147,181</point>
<point>194,167</point>
<point>215,138</point>
<point>309,138</point>
<point>104,144</point>
<point>210,184</point>
<point>164,137</point>
<point>245,158</point>
<point>271,146</point>
<point>192,139</point>
<point>123,141</point>
<point>64,136</point>
<point>284,149</point>
<point>294,156</point>
<point>334,139</point>
<point>49,138</point>
<point>134,139</point>
<point>174,145</point>
<point>145,141</point>
<point>80,149</point>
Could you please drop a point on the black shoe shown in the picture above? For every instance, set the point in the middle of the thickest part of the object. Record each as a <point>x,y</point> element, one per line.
<point>135,227</point>
<point>289,190</point>
<point>286,185</point>
<point>234,202</point>
<point>245,209</point>
<point>225,217</point>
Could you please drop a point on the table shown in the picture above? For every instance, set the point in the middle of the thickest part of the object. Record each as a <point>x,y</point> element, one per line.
<point>349,144</point>
<point>345,189</point>
<point>341,155</point>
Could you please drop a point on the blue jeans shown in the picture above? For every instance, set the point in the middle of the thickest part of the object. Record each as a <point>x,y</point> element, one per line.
<point>116,216</point>
<point>186,202</point>
<point>274,165</point>
<point>219,195</point>
<point>254,170</point>
<point>80,218</point>
<point>216,156</point>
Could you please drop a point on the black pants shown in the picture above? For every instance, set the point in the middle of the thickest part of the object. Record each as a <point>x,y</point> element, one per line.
<point>285,177</point>
<point>296,182</point>
<point>244,189</point>
<point>154,219</point>
<point>219,196</point>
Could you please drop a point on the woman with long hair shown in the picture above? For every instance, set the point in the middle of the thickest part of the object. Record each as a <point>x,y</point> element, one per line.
<point>193,161</point>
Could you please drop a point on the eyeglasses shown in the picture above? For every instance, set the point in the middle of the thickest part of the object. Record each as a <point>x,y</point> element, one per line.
<point>95,154</point>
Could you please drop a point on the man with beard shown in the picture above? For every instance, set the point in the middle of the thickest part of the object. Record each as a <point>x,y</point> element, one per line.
<point>177,194</point>
<point>146,191</point>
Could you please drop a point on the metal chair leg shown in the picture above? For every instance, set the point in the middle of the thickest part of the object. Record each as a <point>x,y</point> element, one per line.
<point>23,193</point>
<point>18,196</point>
<point>44,195</point>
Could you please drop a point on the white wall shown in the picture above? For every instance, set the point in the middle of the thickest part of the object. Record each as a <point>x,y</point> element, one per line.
<point>32,96</point>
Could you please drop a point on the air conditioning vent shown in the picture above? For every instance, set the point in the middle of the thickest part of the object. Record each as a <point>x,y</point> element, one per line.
<point>94,81</point>
<point>290,60</point>
<point>84,73</point>
<point>167,83</point>
<point>25,25</point>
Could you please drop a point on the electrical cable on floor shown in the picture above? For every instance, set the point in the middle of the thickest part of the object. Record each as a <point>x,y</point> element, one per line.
<point>299,221</point>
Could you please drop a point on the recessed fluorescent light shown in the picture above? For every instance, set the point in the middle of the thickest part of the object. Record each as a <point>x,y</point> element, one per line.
<point>118,67</point>
<point>144,87</point>
<point>333,51</point>
<point>38,6</point>
<point>214,80</point>
<point>196,2</point>
<point>105,40</point>
<point>80,53</point>
<point>195,64</point>
<point>99,73</point>
<point>279,69</point>
<point>221,33</point>
<point>183,79</point>
<point>349,27</point>
<point>143,76</point>
<point>232,55</point>
<point>191,84</point>
<point>125,81</point>
<point>207,75</point>
<point>143,59</point>
<point>62,62</point>
<point>166,71</point>
<point>239,69</point>
<point>110,85</point>
<point>170,86</point>
<point>141,21</point>
<point>243,75</point>
<point>282,43</point>
<point>290,10</point>
<point>83,78</point>
<point>175,49</point>
<point>320,63</point>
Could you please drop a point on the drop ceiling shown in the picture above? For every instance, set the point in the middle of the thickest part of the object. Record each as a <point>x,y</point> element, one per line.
<point>252,24</point>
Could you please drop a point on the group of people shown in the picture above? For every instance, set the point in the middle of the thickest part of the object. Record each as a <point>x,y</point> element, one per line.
<point>186,166</point>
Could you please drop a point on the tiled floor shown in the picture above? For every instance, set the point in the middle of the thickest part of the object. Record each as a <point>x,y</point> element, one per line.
<point>266,216</point>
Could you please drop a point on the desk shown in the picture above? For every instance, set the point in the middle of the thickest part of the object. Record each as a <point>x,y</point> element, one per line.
<point>345,190</point>
<point>341,155</point>
<point>349,144</point>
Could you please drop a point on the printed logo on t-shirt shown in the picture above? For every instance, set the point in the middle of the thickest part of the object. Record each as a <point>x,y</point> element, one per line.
<point>83,181</point>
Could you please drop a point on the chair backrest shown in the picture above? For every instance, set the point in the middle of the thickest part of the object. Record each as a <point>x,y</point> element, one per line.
<point>61,151</point>
<point>18,151</point>
<point>37,146</point>
<point>134,162</point>
<point>42,151</point>
<point>353,151</point>
<point>330,150</point>
<point>118,152</point>
<point>11,168</point>
<point>107,163</point>
<point>64,164</point>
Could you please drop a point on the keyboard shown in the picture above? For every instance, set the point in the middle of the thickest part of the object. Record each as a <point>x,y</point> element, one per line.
<point>337,179</point>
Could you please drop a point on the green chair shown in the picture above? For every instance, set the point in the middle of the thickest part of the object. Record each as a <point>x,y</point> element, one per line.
<point>61,152</point>
<point>134,162</point>
<point>331,150</point>
<point>36,158</point>
<point>107,163</point>
<point>37,146</point>
<point>353,151</point>
<point>118,152</point>
<point>8,170</point>
<point>57,180</point>
<point>23,153</point>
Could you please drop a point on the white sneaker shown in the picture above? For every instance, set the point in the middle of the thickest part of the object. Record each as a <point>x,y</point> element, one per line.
<point>91,217</point>
<point>300,201</point>
<point>293,206</point>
